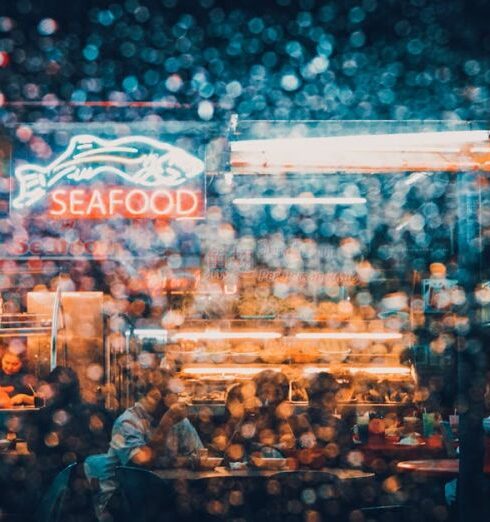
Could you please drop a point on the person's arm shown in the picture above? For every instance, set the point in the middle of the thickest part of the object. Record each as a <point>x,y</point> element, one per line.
<point>23,387</point>
<point>186,445</point>
<point>5,400</point>
<point>22,399</point>
<point>146,454</point>
<point>303,431</point>
<point>172,416</point>
<point>287,440</point>
<point>128,440</point>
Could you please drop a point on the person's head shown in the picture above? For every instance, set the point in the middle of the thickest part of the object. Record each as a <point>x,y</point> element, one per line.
<point>271,388</point>
<point>11,363</point>
<point>157,390</point>
<point>241,400</point>
<point>64,386</point>
<point>322,391</point>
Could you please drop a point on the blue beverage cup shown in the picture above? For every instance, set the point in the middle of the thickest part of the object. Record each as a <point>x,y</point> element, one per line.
<point>428,420</point>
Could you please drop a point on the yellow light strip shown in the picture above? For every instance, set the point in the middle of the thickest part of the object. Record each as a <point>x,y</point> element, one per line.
<point>382,370</point>
<point>143,333</point>
<point>373,336</point>
<point>235,370</point>
<point>215,334</point>
<point>376,370</point>
<point>224,370</point>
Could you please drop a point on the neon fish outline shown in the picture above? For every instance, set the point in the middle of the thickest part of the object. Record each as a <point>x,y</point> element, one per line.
<point>88,156</point>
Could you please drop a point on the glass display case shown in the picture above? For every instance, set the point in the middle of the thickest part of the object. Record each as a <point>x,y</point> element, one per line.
<point>211,356</point>
<point>34,330</point>
<point>315,255</point>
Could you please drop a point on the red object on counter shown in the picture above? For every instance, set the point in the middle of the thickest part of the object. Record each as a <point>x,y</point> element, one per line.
<point>443,468</point>
<point>380,449</point>
<point>390,447</point>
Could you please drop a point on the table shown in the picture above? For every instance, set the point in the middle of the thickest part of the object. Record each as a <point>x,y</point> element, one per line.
<point>19,409</point>
<point>12,413</point>
<point>208,490</point>
<point>221,472</point>
<point>440,468</point>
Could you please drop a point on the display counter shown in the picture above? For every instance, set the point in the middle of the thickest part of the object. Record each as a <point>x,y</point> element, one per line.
<point>210,357</point>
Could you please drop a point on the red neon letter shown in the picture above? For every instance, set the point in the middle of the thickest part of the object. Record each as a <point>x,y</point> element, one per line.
<point>162,194</point>
<point>140,197</point>
<point>113,201</point>
<point>194,202</point>
<point>56,198</point>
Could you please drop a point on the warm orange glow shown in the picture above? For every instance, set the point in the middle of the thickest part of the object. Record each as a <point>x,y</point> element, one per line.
<point>103,203</point>
<point>216,334</point>
<point>227,370</point>
<point>449,151</point>
<point>373,336</point>
<point>252,370</point>
<point>375,370</point>
<point>382,370</point>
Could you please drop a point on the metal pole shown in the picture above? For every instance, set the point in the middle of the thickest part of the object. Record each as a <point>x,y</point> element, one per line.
<point>126,367</point>
<point>108,369</point>
<point>53,359</point>
<point>471,357</point>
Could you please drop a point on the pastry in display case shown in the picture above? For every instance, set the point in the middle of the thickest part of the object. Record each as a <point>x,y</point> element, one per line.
<point>245,352</point>
<point>298,336</point>
<point>363,356</point>
<point>215,352</point>
<point>208,392</point>
<point>365,389</point>
<point>274,351</point>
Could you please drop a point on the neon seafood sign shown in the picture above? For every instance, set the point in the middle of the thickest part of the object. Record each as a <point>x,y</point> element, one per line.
<point>149,179</point>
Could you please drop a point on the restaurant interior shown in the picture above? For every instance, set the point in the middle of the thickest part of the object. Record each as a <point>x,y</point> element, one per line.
<point>352,250</point>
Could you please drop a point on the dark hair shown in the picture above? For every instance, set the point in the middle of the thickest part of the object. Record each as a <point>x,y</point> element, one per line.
<point>151,379</point>
<point>235,392</point>
<point>277,380</point>
<point>68,385</point>
<point>322,383</point>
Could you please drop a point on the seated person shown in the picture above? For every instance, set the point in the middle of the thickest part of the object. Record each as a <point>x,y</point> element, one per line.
<point>257,418</point>
<point>319,427</point>
<point>66,429</point>
<point>16,385</point>
<point>234,436</point>
<point>156,430</point>
<point>274,413</point>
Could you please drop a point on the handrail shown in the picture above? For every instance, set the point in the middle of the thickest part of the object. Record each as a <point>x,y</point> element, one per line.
<point>25,315</point>
<point>21,324</point>
<point>53,360</point>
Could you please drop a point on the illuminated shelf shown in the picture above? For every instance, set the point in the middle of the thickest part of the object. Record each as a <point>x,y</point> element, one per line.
<point>306,368</point>
<point>19,325</point>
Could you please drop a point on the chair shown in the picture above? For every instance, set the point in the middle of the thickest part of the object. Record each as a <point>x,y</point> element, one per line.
<point>100,472</point>
<point>146,497</point>
<point>52,502</point>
